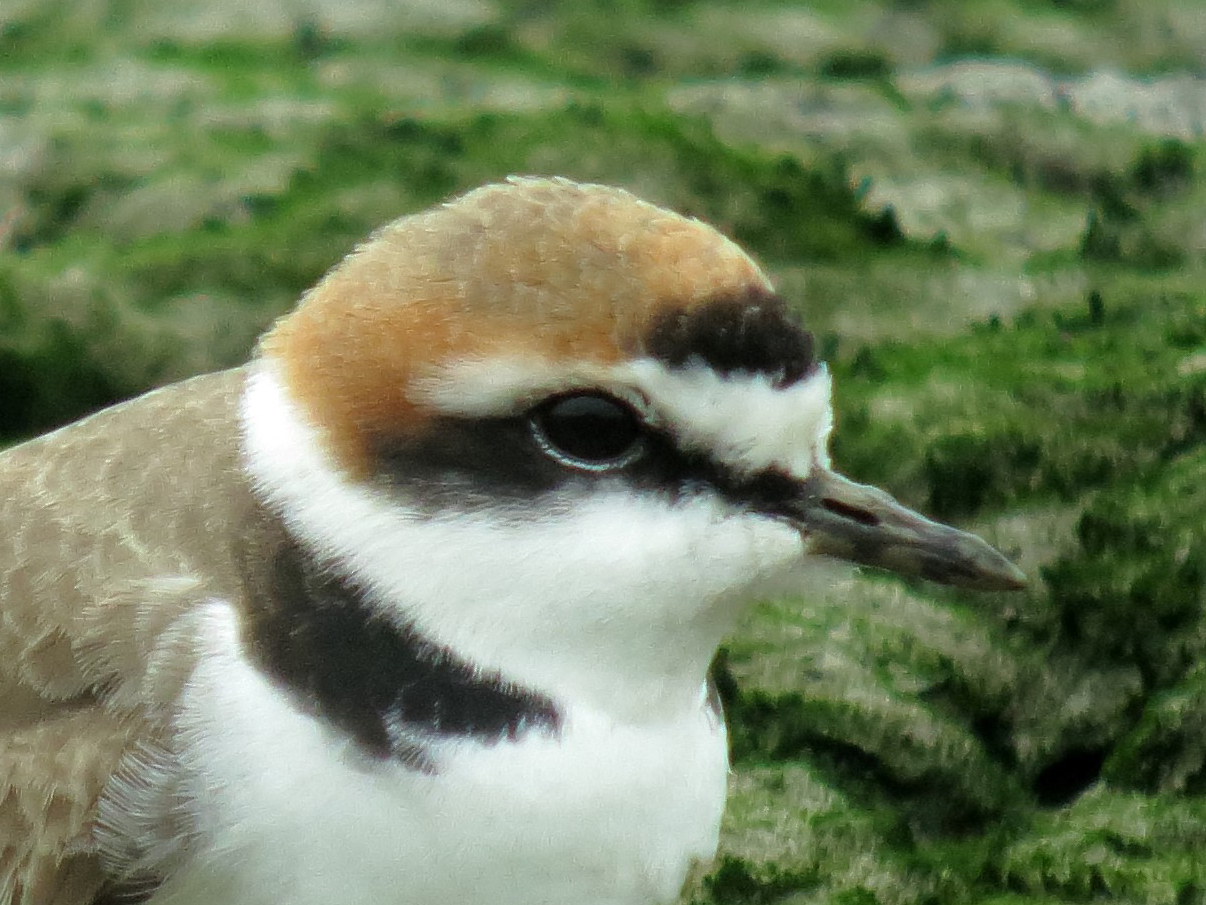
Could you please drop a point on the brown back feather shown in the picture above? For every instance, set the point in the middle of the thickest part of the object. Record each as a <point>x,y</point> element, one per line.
<point>113,527</point>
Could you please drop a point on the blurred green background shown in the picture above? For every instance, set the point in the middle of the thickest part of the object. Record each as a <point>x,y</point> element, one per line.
<point>991,213</point>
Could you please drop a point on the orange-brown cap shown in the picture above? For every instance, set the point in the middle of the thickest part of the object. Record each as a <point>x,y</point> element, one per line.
<point>546,270</point>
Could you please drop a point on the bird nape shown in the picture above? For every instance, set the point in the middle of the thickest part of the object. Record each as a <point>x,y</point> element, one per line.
<point>417,607</point>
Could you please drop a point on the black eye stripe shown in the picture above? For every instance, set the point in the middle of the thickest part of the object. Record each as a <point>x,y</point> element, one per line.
<point>499,465</point>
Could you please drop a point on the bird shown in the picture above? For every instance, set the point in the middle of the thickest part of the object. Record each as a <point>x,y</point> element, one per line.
<point>417,607</point>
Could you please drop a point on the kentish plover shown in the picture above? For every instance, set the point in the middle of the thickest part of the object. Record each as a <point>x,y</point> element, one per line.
<point>417,608</point>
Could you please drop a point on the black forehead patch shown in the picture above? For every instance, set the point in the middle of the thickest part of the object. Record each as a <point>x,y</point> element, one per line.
<point>749,333</point>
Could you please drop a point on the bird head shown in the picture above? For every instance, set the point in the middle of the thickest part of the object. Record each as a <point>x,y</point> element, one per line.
<point>568,434</point>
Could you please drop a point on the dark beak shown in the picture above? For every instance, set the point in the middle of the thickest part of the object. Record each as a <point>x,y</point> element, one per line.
<point>865,525</point>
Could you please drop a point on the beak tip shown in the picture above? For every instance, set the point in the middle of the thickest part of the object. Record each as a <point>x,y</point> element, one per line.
<point>999,574</point>
<point>1014,579</point>
<point>974,564</point>
<point>865,525</point>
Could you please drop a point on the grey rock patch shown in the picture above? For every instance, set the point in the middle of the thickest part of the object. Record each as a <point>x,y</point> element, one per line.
<point>171,204</point>
<point>119,81</point>
<point>176,202</point>
<point>972,208</point>
<point>893,303</point>
<point>1032,537</point>
<point>1192,364</point>
<point>1072,708</point>
<point>1173,105</point>
<point>186,21</point>
<point>434,86</point>
<point>904,37</point>
<point>791,33</point>
<point>277,115</point>
<point>982,83</point>
<point>22,151</point>
<point>955,203</point>
<point>784,112</point>
<point>516,95</point>
<point>206,331</point>
<point>16,10</point>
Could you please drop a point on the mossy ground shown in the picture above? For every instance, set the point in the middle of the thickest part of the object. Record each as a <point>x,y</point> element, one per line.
<point>989,212</point>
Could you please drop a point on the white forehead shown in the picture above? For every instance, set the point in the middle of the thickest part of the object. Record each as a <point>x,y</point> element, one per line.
<point>741,419</point>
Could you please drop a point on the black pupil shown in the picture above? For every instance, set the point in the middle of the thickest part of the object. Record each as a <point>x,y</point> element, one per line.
<point>592,428</point>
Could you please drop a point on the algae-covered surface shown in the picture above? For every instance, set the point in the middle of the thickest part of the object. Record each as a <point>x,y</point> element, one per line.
<point>991,213</point>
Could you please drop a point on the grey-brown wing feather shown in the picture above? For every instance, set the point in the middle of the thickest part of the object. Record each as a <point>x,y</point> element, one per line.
<point>111,528</point>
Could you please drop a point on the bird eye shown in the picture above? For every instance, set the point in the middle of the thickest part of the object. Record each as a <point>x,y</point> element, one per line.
<point>588,430</point>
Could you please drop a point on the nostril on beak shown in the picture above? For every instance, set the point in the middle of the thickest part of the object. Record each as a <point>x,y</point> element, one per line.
<point>854,514</point>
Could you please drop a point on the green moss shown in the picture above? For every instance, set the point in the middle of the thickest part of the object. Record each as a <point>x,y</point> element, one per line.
<point>1166,749</point>
<point>268,243</point>
<point>1038,720</point>
<point>1135,593</point>
<point>736,882</point>
<point>1112,847</point>
<point>954,426</point>
<point>49,377</point>
<point>858,63</point>
<point>1126,224</point>
<point>1164,168</point>
<point>1112,238</point>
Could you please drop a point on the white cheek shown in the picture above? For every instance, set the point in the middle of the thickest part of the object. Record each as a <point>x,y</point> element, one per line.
<point>621,595</point>
<point>659,564</point>
<point>639,587</point>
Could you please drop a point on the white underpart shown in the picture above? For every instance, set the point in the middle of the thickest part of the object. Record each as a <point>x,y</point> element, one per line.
<point>290,814</point>
<point>616,601</point>
<point>741,419</point>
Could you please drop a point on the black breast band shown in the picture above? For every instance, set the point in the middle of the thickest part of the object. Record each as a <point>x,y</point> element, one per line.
<point>312,629</point>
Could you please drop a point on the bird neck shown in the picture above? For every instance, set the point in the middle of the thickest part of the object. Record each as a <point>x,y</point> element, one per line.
<point>615,604</point>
